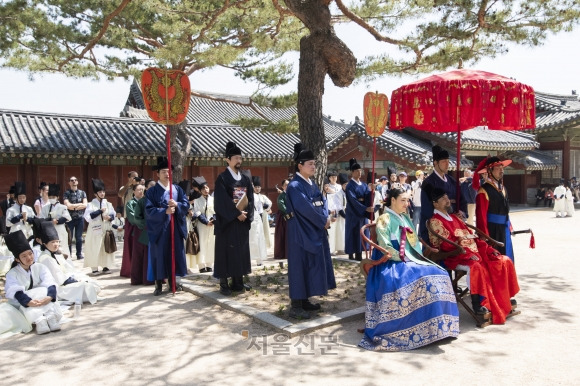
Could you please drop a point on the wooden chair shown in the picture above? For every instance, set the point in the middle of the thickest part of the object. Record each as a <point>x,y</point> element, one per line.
<point>367,263</point>
<point>456,274</point>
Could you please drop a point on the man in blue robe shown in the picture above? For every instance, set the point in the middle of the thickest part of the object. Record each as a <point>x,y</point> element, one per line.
<point>234,209</point>
<point>310,271</point>
<point>438,179</point>
<point>159,208</point>
<point>358,208</point>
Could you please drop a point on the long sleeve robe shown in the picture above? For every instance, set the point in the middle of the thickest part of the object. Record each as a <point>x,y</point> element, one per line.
<point>310,271</point>
<point>60,213</point>
<point>232,246</point>
<point>448,185</point>
<point>95,254</point>
<point>358,200</point>
<point>158,230</point>
<point>492,215</point>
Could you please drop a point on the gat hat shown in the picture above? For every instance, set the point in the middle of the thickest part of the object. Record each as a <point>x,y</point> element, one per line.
<point>439,153</point>
<point>185,185</point>
<point>383,178</point>
<point>257,181</point>
<point>490,162</point>
<point>434,193</point>
<point>53,189</point>
<point>48,232</point>
<point>402,173</point>
<point>198,182</point>
<point>98,185</point>
<point>342,178</point>
<point>353,165</point>
<point>120,209</point>
<point>19,188</point>
<point>301,154</point>
<point>162,163</point>
<point>232,149</point>
<point>37,227</point>
<point>391,171</point>
<point>16,243</point>
<point>11,190</point>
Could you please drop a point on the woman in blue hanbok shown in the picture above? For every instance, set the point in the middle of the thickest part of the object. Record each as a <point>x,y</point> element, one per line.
<point>409,300</point>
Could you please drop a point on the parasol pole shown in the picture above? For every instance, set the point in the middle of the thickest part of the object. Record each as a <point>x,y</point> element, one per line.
<point>172,218</point>
<point>373,178</point>
<point>457,184</point>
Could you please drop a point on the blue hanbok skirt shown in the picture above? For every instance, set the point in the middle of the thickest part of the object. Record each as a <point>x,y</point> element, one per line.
<point>408,306</point>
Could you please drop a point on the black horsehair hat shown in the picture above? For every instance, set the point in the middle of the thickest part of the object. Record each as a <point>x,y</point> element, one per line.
<point>48,232</point>
<point>16,243</point>
<point>353,165</point>
<point>19,188</point>
<point>439,153</point>
<point>199,182</point>
<point>256,181</point>
<point>434,193</point>
<point>232,149</point>
<point>301,154</point>
<point>162,163</point>
<point>53,189</point>
<point>98,185</point>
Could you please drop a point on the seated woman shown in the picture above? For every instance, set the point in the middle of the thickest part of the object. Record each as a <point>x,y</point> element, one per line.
<point>409,300</point>
<point>30,286</point>
<point>72,285</point>
<point>12,321</point>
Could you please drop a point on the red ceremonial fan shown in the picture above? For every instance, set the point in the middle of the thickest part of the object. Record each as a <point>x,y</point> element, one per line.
<point>166,94</point>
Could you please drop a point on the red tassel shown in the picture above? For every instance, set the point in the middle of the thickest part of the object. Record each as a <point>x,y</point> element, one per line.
<point>532,240</point>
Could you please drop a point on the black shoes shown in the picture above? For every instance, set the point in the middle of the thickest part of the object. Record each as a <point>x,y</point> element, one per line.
<point>203,270</point>
<point>310,306</point>
<point>157,291</point>
<point>296,310</point>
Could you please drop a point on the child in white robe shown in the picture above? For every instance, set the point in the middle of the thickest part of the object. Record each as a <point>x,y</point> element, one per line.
<point>72,285</point>
<point>31,288</point>
<point>12,321</point>
<point>99,214</point>
<point>258,250</point>
<point>203,208</point>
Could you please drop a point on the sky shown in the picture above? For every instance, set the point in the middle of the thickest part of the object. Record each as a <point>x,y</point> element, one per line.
<point>550,68</point>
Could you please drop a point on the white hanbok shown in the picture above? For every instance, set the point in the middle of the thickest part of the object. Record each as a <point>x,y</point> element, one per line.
<point>58,212</point>
<point>21,225</point>
<point>569,197</point>
<point>205,207</point>
<point>61,269</point>
<point>559,203</point>
<point>266,205</point>
<point>95,255</point>
<point>258,250</point>
<point>336,203</point>
<point>12,321</point>
<point>18,279</point>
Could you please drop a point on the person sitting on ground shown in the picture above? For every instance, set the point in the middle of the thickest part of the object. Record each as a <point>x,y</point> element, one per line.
<point>72,285</point>
<point>30,287</point>
<point>410,301</point>
<point>491,276</point>
<point>12,321</point>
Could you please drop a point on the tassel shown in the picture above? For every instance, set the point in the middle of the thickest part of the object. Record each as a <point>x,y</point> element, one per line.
<point>532,240</point>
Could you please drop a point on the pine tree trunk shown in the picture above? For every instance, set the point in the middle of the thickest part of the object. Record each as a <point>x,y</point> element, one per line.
<point>321,53</point>
<point>180,147</point>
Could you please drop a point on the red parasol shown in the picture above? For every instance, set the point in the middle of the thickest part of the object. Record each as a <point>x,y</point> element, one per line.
<point>463,99</point>
<point>376,112</point>
<point>166,94</point>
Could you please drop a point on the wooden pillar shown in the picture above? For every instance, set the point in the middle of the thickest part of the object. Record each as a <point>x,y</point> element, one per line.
<point>566,158</point>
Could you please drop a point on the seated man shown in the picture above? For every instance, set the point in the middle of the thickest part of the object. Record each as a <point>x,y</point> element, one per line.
<point>409,300</point>
<point>491,277</point>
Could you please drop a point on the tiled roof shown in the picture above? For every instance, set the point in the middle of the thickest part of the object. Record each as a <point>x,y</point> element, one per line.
<point>555,111</point>
<point>399,144</point>
<point>533,159</point>
<point>42,133</point>
<point>481,138</point>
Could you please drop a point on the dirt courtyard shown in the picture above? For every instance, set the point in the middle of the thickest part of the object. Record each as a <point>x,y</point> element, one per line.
<point>133,338</point>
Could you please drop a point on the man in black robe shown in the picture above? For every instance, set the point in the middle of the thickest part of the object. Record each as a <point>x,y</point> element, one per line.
<point>5,204</point>
<point>233,189</point>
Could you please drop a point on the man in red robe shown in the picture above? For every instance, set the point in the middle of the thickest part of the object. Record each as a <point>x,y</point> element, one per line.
<point>491,276</point>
